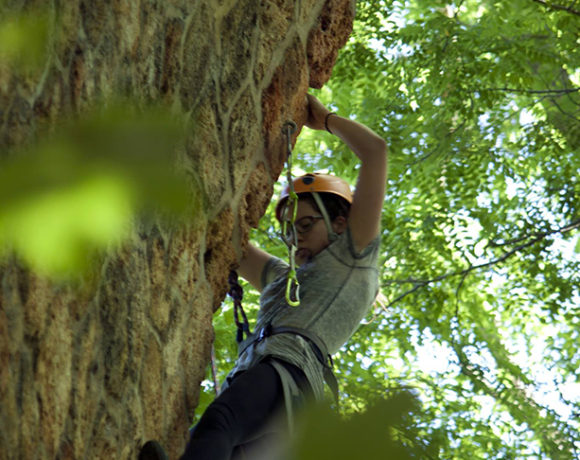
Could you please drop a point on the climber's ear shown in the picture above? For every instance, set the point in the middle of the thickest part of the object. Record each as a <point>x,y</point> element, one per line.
<point>339,224</point>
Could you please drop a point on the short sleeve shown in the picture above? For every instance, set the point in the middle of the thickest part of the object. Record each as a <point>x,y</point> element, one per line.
<point>274,269</point>
<point>367,256</point>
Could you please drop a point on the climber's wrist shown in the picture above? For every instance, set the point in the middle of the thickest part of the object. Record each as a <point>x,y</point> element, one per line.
<point>327,119</point>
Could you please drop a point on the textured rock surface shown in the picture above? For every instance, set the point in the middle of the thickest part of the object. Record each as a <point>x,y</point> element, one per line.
<point>93,371</point>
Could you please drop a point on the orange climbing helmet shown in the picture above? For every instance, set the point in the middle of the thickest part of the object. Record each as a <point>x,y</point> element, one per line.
<point>315,182</point>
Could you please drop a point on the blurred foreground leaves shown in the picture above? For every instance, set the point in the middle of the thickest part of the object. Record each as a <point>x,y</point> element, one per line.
<point>77,191</point>
<point>384,430</point>
<point>24,36</point>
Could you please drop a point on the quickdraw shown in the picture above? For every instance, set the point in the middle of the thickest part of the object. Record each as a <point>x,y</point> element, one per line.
<point>236,292</point>
<point>292,283</point>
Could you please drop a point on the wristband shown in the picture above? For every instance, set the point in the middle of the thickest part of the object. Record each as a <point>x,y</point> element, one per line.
<point>326,121</point>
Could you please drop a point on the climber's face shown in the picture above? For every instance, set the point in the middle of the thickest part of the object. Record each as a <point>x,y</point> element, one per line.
<point>311,232</point>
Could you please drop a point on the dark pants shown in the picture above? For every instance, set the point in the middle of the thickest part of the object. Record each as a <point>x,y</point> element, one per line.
<point>240,412</point>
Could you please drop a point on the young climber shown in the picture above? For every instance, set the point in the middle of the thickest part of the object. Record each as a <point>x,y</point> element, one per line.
<point>286,360</point>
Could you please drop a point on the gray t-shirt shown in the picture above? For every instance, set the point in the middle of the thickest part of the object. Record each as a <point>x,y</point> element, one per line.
<point>337,288</point>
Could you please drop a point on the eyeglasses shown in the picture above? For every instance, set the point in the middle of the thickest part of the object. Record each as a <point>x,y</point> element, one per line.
<point>302,225</point>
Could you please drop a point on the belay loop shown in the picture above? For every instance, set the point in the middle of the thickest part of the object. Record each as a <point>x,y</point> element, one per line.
<point>237,293</point>
<point>292,285</point>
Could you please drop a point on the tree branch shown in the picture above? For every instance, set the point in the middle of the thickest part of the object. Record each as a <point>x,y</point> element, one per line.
<point>550,5</point>
<point>535,91</point>
<point>565,229</point>
<point>418,283</point>
<point>562,111</point>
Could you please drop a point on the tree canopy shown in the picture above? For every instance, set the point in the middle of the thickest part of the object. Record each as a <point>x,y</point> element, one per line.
<point>478,314</point>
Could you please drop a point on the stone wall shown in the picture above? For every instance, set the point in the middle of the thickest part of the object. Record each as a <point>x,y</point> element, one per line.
<point>92,371</point>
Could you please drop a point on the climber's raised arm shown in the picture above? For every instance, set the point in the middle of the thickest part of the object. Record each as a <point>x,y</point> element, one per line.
<point>365,212</point>
<point>252,265</point>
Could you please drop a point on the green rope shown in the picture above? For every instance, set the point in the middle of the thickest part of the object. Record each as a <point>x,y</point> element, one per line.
<point>289,128</point>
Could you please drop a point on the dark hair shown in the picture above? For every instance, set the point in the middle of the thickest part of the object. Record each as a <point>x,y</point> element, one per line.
<point>335,205</point>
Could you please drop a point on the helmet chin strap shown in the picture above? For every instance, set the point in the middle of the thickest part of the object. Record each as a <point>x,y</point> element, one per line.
<point>332,235</point>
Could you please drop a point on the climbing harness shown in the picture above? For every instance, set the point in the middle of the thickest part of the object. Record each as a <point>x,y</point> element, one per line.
<point>243,328</point>
<point>315,343</point>
<point>292,284</point>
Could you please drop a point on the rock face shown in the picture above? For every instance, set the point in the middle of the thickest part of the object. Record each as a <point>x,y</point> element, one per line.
<point>93,371</point>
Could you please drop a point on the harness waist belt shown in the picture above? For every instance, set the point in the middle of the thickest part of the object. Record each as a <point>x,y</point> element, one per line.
<point>315,342</point>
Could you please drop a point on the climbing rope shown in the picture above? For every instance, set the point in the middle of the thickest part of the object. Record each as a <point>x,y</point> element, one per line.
<point>292,285</point>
